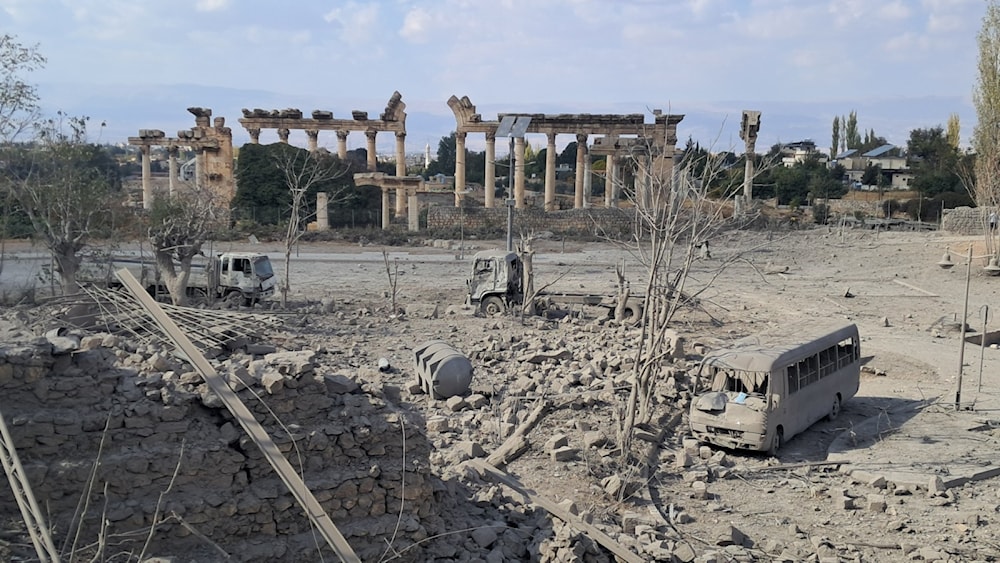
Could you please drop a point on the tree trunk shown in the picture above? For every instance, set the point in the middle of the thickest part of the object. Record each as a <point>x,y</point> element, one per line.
<point>68,264</point>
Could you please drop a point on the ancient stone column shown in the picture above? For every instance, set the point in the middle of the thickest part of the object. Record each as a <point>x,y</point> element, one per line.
<point>400,172</point>
<point>313,139</point>
<point>254,135</point>
<point>588,183</point>
<point>413,219</point>
<point>459,167</point>
<point>372,155</point>
<point>400,154</point>
<point>550,173</point>
<point>611,183</point>
<point>489,182</point>
<point>581,158</point>
<point>322,213</point>
<point>283,134</point>
<point>147,186</point>
<point>342,144</point>
<point>519,173</point>
<point>172,170</point>
<point>386,220</point>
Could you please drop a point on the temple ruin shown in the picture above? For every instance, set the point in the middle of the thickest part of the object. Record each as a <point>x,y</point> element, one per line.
<point>392,120</point>
<point>213,163</point>
<point>617,137</point>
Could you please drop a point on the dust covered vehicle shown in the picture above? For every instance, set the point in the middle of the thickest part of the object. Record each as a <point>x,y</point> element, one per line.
<point>764,389</point>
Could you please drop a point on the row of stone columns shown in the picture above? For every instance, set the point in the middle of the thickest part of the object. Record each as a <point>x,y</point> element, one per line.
<point>582,180</point>
<point>145,155</point>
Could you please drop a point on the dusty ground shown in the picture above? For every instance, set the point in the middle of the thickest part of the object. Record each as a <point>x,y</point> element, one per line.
<point>889,283</point>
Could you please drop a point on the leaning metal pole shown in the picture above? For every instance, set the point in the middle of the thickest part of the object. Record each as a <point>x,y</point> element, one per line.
<point>961,347</point>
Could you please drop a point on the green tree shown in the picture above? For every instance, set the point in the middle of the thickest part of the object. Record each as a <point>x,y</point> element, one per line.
<point>852,138</point>
<point>835,138</point>
<point>445,161</point>
<point>953,132</point>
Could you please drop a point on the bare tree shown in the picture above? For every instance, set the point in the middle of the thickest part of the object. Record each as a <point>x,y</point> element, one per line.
<point>179,226</point>
<point>676,213</point>
<point>65,186</point>
<point>305,172</point>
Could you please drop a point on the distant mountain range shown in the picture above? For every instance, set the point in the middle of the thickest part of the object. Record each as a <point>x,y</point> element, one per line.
<point>714,125</point>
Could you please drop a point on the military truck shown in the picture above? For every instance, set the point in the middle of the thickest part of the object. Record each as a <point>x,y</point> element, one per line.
<point>497,284</point>
<point>236,277</point>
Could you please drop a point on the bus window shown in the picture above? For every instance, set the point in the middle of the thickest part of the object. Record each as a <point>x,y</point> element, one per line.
<point>793,378</point>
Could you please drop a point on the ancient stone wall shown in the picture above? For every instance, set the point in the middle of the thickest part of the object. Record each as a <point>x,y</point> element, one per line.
<point>594,221</point>
<point>143,416</point>
<point>965,220</point>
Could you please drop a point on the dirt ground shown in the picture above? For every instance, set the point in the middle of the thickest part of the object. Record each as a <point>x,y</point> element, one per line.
<point>906,306</point>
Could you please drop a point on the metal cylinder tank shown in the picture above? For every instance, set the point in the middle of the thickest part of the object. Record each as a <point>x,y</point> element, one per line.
<point>442,370</point>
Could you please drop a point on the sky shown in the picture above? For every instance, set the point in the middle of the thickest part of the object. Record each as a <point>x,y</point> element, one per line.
<point>133,64</point>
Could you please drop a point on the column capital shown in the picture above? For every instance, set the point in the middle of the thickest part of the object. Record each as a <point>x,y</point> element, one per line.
<point>283,134</point>
<point>491,136</point>
<point>312,133</point>
<point>371,134</point>
<point>254,134</point>
<point>581,138</point>
<point>173,150</point>
<point>342,135</point>
<point>460,136</point>
<point>401,135</point>
<point>551,137</point>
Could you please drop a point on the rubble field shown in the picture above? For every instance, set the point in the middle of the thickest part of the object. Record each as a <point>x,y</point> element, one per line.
<point>401,474</point>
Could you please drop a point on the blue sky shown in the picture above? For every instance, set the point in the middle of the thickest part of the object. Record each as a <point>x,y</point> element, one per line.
<point>901,64</point>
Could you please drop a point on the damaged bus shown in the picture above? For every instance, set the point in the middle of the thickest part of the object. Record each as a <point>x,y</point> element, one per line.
<point>765,389</point>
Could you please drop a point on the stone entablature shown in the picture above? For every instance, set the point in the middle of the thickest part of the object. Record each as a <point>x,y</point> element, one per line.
<point>595,221</point>
<point>659,138</point>
<point>392,120</point>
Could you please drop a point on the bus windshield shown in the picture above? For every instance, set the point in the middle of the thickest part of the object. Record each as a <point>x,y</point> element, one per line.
<point>739,381</point>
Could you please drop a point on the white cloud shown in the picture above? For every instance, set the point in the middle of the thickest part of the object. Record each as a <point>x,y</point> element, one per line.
<point>897,10</point>
<point>355,22</point>
<point>416,26</point>
<point>211,5</point>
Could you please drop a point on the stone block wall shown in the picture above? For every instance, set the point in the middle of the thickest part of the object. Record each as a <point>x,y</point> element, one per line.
<point>142,417</point>
<point>965,220</point>
<point>595,221</point>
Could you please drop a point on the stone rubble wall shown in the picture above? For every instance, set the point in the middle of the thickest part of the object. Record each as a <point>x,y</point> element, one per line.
<point>595,221</point>
<point>140,413</point>
<point>965,220</point>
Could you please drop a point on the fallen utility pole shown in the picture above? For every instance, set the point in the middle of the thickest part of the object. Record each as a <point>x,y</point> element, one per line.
<point>246,419</point>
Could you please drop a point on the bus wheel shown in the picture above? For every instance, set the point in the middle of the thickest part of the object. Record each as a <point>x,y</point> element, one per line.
<point>492,306</point>
<point>775,442</point>
<point>834,409</point>
<point>631,315</point>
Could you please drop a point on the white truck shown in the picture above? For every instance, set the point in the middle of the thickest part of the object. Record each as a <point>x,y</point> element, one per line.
<point>236,277</point>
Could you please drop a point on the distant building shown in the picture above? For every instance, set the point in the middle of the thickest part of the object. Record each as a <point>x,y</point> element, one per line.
<point>793,153</point>
<point>888,157</point>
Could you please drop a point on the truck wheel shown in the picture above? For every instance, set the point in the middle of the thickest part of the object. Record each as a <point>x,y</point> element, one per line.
<point>197,296</point>
<point>233,299</point>
<point>492,306</point>
<point>834,409</point>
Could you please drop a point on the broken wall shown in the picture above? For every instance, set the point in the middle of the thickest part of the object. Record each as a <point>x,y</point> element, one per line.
<point>142,416</point>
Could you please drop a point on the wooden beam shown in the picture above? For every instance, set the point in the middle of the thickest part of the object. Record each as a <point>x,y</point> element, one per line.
<point>566,516</point>
<point>915,288</point>
<point>314,510</point>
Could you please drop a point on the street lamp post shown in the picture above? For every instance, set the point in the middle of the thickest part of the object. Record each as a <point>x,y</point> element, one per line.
<point>513,126</point>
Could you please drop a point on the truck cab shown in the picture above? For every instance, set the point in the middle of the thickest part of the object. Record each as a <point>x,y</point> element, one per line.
<point>247,275</point>
<point>496,281</point>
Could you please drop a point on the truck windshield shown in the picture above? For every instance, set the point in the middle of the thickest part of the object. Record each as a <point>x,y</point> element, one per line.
<point>262,267</point>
